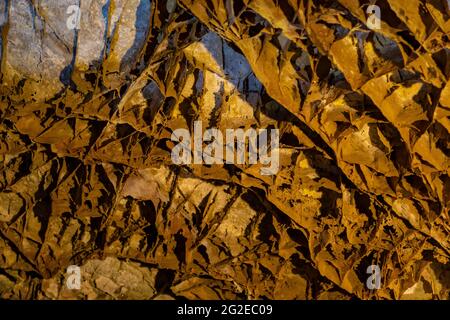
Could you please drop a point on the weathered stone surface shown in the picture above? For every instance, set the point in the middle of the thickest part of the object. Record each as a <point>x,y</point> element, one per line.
<point>87,178</point>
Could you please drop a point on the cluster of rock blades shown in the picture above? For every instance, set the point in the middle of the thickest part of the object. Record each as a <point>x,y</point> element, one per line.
<point>87,177</point>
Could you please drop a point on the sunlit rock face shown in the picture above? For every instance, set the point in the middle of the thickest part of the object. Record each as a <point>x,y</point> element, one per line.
<point>92,91</point>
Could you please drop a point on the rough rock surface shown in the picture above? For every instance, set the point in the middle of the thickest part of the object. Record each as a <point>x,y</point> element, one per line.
<point>86,176</point>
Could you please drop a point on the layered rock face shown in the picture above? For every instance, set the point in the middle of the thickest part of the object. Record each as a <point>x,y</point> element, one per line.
<point>92,91</point>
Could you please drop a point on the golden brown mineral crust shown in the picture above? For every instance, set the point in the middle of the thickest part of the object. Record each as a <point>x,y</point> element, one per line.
<point>88,109</point>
